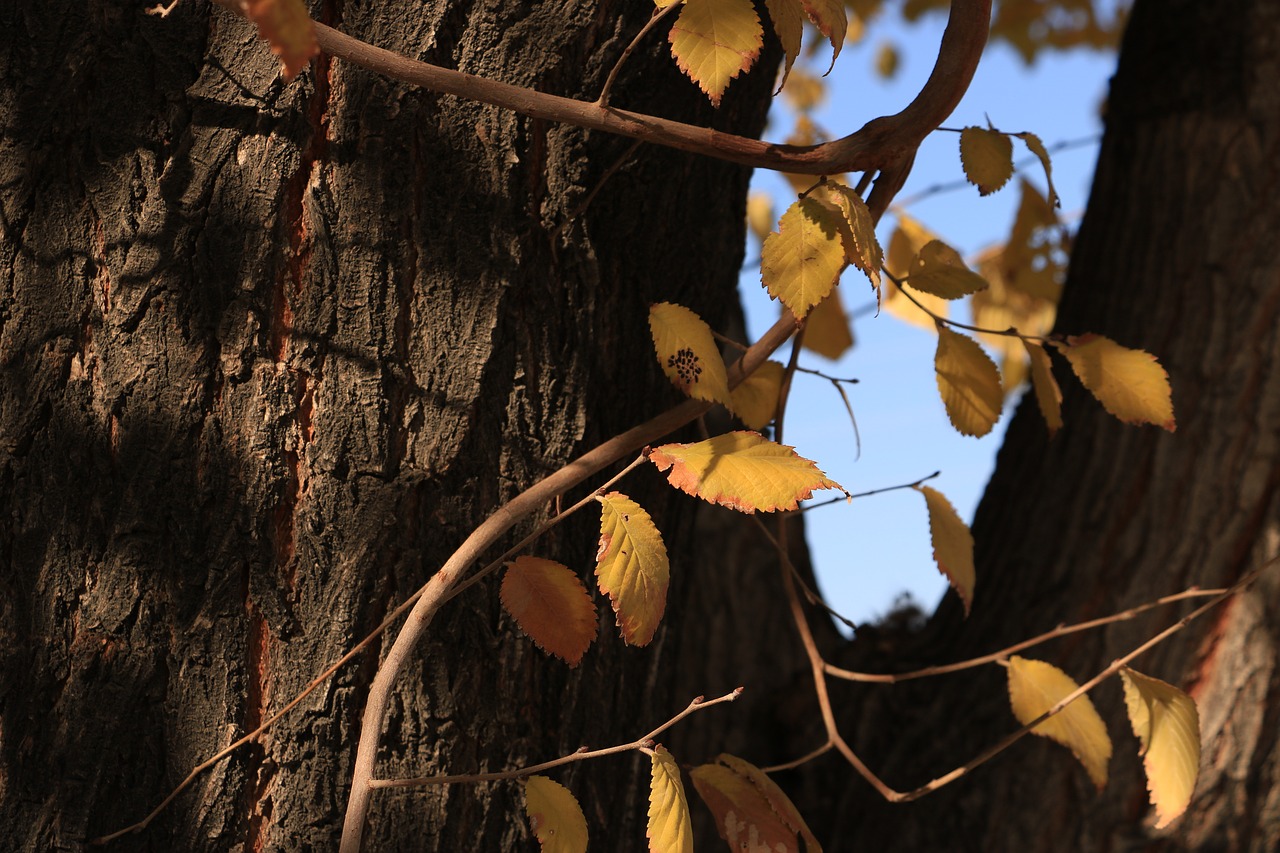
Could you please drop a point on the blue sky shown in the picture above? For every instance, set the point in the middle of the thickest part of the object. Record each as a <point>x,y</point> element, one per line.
<point>869,552</point>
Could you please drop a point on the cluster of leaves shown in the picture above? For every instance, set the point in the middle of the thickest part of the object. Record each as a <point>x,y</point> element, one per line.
<point>751,812</point>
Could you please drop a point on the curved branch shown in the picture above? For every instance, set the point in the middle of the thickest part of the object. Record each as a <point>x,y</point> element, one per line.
<point>881,143</point>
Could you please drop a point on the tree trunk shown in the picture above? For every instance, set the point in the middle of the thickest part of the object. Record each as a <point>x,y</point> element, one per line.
<point>1176,255</point>
<point>268,352</point>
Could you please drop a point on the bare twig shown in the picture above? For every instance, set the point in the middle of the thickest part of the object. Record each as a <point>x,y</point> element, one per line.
<point>1010,332</point>
<point>1003,654</point>
<point>846,498</point>
<point>810,595</point>
<point>643,743</point>
<point>658,15</point>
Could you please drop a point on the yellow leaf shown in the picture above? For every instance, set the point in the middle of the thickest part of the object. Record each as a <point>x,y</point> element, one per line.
<point>759,214</point>
<point>1036,147</point>
<point>805,92</point>
<point>688,354</point>
<point>1034,256</point>
<point>908,238</point>
<point>632,567</point>
<point>1034,688</point>
<point>887,60</point>
<point>1129,383</point>
<point>987,157</point>
<point>827,331</point>
<point>941,271</point>
<point>952,544</point>
<point>778,801</point>
<point>968,382</point>
<point>741,470</point>
<point>743,816</point>
<point>662,4</point>
<point>830,19</point>
<point>714,41</point>
<point>1048,394</point>
<point>801,262</point>
<point>550,604</point>
<point>788,23</point>
<point>555,816</point>
<point>288,28</point>
<point>669,828</point>
<point>1167,723</point>
<point>756,400</point>
<point>862,249</point>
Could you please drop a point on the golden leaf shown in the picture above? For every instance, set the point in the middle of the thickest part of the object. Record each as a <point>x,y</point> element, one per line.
<point>714,41</point>
<point>939,270</point>
<point>632,567</point>
<point>756,400</point>
<point>952,544</point>
<point>830,19</point>
<point>908,238</point>
<point>1034,688</point>
<point>688,354</point>
<point>550,604</point>
<point>968,382</point>
<point>741,470</point>
<point>862,249</point>
<point>1129,383</point>
<point>801,262</point>
<point>775,797</point>
<point>788,22</point>
<point>669,828</point>
<point>1048,394</point>
<point>987,157</point>
<point>1167,723</point>
<point>288,28</point>
<point>1036,147</point>
<point>743,816</point>
<point>827,330</point>
<point>759,214</point>
<point>556,817</point>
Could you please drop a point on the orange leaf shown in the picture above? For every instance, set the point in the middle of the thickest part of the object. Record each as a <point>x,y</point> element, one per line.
<point>741,470</point>
<point>551,605</point>
<point>743,816</point>
<point>288,28</point>
<point>775,797</point>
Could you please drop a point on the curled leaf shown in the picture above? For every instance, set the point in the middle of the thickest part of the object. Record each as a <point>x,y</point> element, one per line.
<point>741,470</point>
<point>670,830</point>
<point>632,567</point>
<point>550,604</point>
<point>556,817</point>
<point>1034,688</point>
<point>1167,723</point>
<point>1037,148</point>
<point>952,544</point>
<point>1048,394</point>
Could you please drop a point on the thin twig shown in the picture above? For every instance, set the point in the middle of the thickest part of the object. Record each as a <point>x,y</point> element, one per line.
<point>641,744</point>
<point>1010,332</point>
<point>847,497</point>
<point>658,15</point>
<point>1003,654</point>
<point>809,594</point>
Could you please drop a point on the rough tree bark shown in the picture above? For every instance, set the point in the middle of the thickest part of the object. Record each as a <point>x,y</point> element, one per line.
<point>1177,255</point>
<point>268,352</point>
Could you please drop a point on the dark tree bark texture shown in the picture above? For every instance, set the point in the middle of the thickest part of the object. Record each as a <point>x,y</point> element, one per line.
<point>1177,255</point>
<point>268,352</point>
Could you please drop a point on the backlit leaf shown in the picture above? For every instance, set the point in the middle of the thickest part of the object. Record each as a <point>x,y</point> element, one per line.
<point>1129,383</point>
<point>1037,148</point>
<point>968,382</point>
<point>714,41</point>
<point>688,354</point>
<point>1048,394</point>
<point>632,567</point>
<point>987,157</point>
<point>669,828</point>
<point>288,28</point>
<point>775,797</point>
<point>788,23</point>
<point>1167,723</point>
<point>555,816</point>
<point>939,270</point>
<point>862,249</point>
<point>1034,688</point>
<point>759,214</point>
<point>952,544</point>
<point>830,19</point>
<point>741,470</point>
<point>756,400</point>
<point>800,263</point>
<point>908,238</point>
<point>827,331</point>
<point>743,815</point>
<point>550,604</point>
